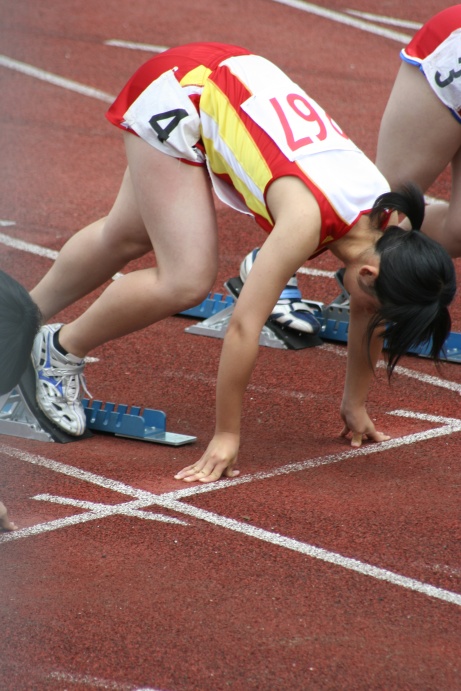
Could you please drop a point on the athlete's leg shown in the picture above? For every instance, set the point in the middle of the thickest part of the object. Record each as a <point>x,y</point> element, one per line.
<point>452,219</point>
<point>418,139</point>
<point>175,204</point>
<point>94,254</point>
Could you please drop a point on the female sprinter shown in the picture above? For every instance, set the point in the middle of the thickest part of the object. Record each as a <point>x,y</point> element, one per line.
<point>213,115</point>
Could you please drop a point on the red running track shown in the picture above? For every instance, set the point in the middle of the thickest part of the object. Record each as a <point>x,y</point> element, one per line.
<point>321,567</point>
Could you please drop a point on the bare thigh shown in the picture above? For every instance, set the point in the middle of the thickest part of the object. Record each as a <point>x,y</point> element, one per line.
<point>418,136</point>
<point>174,201</point>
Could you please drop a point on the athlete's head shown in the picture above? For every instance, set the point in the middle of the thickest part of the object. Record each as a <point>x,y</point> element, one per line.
<point>19,322</point>
<point>416,281</point>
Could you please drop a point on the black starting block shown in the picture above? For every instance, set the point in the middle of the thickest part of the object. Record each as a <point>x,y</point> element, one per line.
<point>20,416</point>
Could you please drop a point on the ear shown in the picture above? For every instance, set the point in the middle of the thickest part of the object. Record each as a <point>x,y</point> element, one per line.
<point>368,273</point>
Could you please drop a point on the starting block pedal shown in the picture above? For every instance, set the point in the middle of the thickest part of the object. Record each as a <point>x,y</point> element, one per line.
<point>273,335</point>
<point>334,319</point>
<point>20,416</point>
<point>131,422</point>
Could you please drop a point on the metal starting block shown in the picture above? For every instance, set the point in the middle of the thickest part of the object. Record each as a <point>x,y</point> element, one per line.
<point>20,416</point>
<point>333,317</point>
<point>132,423</point>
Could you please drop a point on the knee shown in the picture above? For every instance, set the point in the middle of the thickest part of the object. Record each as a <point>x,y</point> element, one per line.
<point>124,245</point>
<point>192,289</point>
<point>191,295</point>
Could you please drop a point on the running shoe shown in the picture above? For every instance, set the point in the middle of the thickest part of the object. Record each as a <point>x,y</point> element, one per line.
<point>290,310</point>
<point>59,380</point>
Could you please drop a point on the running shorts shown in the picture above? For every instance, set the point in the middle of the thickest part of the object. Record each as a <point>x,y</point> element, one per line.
<point>436,50</point>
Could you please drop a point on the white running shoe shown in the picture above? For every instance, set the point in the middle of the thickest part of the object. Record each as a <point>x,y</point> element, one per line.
<point>290,311</point>
<point>59,379</point>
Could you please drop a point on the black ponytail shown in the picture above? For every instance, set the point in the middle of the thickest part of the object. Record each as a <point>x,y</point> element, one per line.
<point>19,322</point>
<point>416,281</point>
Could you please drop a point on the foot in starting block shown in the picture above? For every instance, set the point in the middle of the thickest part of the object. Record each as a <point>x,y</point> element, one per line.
<point>273,334</point>
<point>20,416</point>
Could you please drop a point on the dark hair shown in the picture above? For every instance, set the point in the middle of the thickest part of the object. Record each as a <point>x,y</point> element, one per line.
<point>19,322</point>
<point>416,281</point>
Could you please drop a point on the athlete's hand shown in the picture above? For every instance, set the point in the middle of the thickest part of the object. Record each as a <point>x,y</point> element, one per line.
<point>358,427</point>
<point>218,460</point>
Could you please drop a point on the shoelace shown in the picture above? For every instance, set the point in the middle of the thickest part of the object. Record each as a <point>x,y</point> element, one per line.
<point>72,378</point>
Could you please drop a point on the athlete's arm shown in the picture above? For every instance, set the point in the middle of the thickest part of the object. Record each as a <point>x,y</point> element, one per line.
<point>359,371</point>
<point>294,238</point>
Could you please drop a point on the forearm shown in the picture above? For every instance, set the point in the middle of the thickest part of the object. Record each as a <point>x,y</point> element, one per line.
<point>238,357</point>
<point>361,363</point>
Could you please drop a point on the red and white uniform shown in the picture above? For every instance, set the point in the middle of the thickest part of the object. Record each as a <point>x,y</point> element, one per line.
<point>436,50</point>
<point>241,116</point>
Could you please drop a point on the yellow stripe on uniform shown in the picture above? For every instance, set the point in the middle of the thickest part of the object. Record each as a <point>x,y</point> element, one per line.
<point>231,150</point>
<point>196,77</point>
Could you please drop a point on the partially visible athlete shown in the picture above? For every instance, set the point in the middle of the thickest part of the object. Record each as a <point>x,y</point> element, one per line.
<point>208,116</point>
<point>5,523</point>
<point>420,133</point>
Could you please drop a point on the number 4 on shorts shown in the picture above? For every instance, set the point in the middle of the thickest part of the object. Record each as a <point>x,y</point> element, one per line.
<point>175,116</point>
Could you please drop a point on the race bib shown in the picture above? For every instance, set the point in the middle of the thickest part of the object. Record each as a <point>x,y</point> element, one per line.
<point>164,117</point>
<point>443,70</point>
<point>295,122</point>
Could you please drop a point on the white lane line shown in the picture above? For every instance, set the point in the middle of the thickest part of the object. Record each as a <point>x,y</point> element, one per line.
<point>96,682</point>
<point>4,223</point>
<point>319,553</point>
<point>170,501</point>
<point>391,21</point>
<point>345,19</point>
<point>77,473</point>
<point>103,510</point>
<point>316,272</point>
<point>54,79</point>
<point>131,45</point>
<point>428,379</point>
<point>28,247</point>
<point>449,426</point>
<point>404,371</point>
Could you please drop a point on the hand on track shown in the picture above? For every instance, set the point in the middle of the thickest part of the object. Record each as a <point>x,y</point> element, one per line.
<point>218,460</point>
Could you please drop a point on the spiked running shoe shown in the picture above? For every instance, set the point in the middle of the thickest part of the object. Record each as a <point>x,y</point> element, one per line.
<point>59,379</point>
<point>290,310</point>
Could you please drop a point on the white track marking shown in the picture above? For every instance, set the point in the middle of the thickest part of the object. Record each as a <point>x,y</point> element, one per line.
<point>391,21</point>
<point>170,500</point>
<point>131,45</point>
<point>316,272</point>
<point>345,19</point>
<point>318,553</point>
<point>4,223</point>
<point>96,682</point>
<point>54,79</point>
<point>28,247</point>
<point>103,510</point>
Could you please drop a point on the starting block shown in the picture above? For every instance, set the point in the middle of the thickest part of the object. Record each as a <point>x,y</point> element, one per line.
<point>334,320</point>
<point>20,416</point>
<point>273,335</point>
<point>132,423</point>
